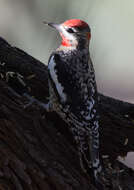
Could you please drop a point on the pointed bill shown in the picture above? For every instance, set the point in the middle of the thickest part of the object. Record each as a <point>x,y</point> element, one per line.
<point>53,25</point>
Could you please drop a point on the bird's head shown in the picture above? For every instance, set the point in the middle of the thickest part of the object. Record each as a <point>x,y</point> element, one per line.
<point>75,33</point>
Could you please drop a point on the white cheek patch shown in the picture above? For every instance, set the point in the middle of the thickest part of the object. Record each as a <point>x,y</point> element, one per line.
<point>68,35</point>
<point>54,77</point>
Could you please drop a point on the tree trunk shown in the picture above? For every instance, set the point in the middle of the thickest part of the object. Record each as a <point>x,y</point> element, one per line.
<point>37,152</point>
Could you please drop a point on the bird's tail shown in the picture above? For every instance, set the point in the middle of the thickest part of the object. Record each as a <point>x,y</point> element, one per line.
<point>90,159</point>
<point>91,166</point>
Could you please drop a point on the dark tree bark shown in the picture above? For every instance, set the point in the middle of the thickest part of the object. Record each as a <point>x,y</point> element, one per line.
<point>36,149</point>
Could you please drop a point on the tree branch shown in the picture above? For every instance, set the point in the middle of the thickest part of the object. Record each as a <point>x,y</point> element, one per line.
<point>36,149</point>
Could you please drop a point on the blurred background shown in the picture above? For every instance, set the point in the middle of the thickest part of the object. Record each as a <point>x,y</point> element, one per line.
<point>111,47</point>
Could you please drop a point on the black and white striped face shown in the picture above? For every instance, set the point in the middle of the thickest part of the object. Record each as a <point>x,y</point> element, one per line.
<point>69,33</point>
<point>74,36</point>
<point>75,33</point>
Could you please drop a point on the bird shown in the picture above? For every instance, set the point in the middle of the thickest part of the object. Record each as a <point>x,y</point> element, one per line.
<point>73,92</point>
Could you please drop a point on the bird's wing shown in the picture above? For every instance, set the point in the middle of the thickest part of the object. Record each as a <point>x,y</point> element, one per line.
<point>72,87</point>
<point>54,69</point>
<point>64,79</point>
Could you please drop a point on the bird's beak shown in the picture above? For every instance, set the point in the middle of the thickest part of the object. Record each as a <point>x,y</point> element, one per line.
<point>53,25</point>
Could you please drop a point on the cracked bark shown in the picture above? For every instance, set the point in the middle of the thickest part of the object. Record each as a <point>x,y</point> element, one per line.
<point>36,149</point>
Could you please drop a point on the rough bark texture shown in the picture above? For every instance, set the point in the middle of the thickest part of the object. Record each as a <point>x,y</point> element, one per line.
<point>37,152</point>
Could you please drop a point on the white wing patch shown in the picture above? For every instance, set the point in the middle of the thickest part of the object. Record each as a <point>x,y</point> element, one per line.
<point>53,73</point>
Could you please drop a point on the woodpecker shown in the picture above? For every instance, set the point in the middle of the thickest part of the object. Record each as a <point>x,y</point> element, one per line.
<point>73,91</point>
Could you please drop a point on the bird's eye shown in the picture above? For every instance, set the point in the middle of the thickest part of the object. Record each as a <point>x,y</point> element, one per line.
<point>70,30</point>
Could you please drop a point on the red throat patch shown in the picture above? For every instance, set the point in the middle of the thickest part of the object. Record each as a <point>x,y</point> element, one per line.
<point>65,42</point>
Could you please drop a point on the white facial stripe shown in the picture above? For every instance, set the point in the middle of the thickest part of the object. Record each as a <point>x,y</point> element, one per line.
<point>68,35</point>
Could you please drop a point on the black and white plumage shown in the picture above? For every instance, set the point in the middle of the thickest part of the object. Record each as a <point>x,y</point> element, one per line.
<point>73,91</point>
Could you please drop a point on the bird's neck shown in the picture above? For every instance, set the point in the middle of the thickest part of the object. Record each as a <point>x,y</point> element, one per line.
<point>75,44</point>
<point>69,46</point>
<point>74,53</point>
